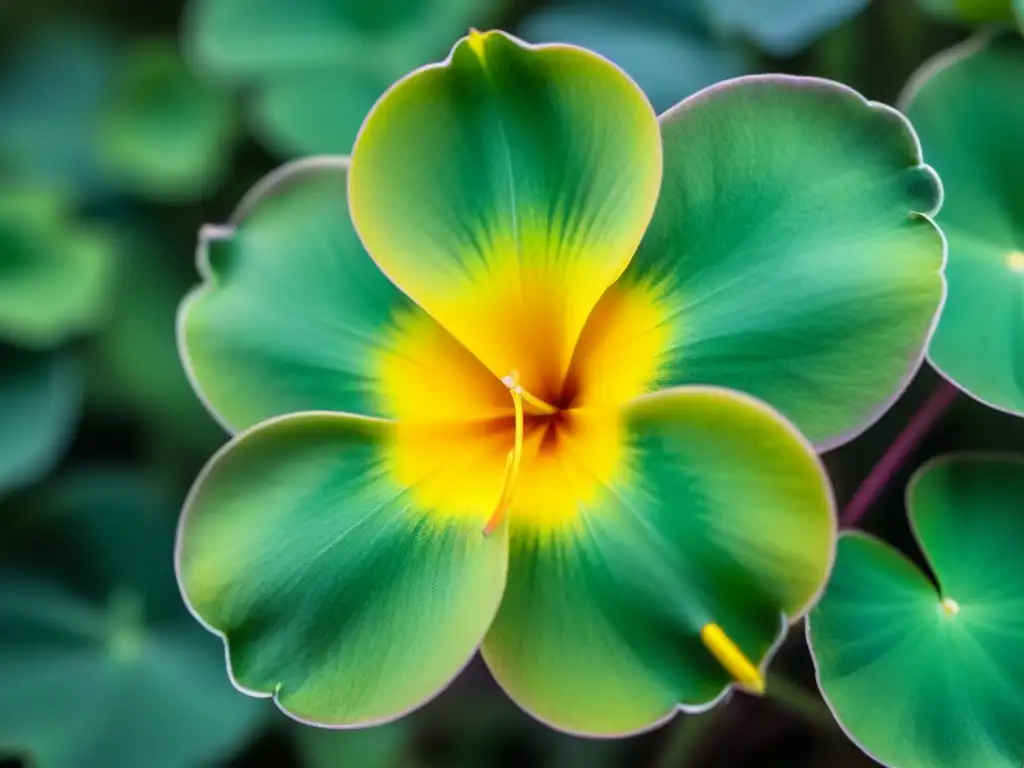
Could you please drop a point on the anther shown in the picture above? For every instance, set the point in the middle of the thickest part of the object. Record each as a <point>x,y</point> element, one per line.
<point>732,659</point>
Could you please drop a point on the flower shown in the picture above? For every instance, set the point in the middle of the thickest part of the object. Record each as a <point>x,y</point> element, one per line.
<point>497,408</point>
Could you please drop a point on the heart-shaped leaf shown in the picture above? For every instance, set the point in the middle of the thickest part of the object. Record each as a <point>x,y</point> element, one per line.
<point>929,672</point>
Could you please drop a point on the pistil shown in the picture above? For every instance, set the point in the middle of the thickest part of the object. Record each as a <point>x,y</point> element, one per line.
<point>732,659</point>
<point>515,456</point>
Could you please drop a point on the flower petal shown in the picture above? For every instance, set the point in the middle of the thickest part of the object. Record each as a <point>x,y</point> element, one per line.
<point>790,256</point>
<point>294,316</point>
<point>967,106</point>
<point>335,589</point>
<point>504,190</point>
<point>722,514</point>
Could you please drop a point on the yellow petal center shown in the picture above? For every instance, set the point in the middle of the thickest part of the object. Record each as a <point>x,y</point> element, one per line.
<point>466,449</point>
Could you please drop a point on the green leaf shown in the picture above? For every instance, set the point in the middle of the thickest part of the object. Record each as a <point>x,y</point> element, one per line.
<point>966,107</point>
<point>163,132</point>
<point>39,400</point>
<point>931,675</point>
<point>795,262</point>
<point>317,66</point>
<point>54,271</point>
<point>101,664</point>
<point>782,27</point>
<point>338,591</point>
<point>723,515</point>
<point>52,91</point>
<point>667,64</point>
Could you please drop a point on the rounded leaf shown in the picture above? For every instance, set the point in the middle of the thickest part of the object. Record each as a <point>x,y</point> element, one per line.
<point>782,27</point>
<point>967,108</point>
<point>101,665</point>
<point>796,262</point>
<point>52,91</point>
<point>315,67</point>
<point>54,272</point>
<point>948,655</point>
<point>163,132</point>
<point>40,395</point>
<point>336,590</point>
<point>720,514</point>
<point>668,64</point>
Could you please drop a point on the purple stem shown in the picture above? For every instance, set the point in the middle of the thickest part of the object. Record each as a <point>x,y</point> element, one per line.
<point>901,449</point>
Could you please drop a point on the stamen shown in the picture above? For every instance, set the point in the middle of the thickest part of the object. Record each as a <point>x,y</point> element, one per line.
<point>735,662</point>
<point>514,459</point>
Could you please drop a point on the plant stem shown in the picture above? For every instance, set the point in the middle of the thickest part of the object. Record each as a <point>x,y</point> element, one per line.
<point>901,449</point>
<point>799,700</point>
<point>687,736</point>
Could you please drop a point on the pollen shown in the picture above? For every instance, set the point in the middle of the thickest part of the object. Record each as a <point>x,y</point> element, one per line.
<point>732,659</point>
<point>1015,261</point>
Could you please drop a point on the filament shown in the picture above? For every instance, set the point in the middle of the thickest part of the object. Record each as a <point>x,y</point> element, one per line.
<point>732,659</point>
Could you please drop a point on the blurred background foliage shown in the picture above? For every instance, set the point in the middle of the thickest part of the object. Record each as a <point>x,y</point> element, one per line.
<point>124,126</point>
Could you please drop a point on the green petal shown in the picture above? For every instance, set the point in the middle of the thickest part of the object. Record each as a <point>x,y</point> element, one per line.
<point>335,591</point>
<point>795,262</point>
<point>101,663</point>
<point>508,164</point>
<point>782,28</point>
<point>966,106</point>
<point>953,680</point>
<point>55,272</point>
<point>724,516</point>
<point>315,67</point>
<point>39,400</point>
<point>293,315</point>
<point>165,133</point>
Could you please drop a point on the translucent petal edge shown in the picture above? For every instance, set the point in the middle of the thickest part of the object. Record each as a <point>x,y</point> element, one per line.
<point>786,621</point>
<point>209,233</point>
<point>446,63</point>
<point>273,695</point>
<point>902,123</point>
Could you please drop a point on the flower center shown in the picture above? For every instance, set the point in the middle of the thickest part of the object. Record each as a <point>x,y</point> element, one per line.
<point>515,457</point>
<point>1015,261</point>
